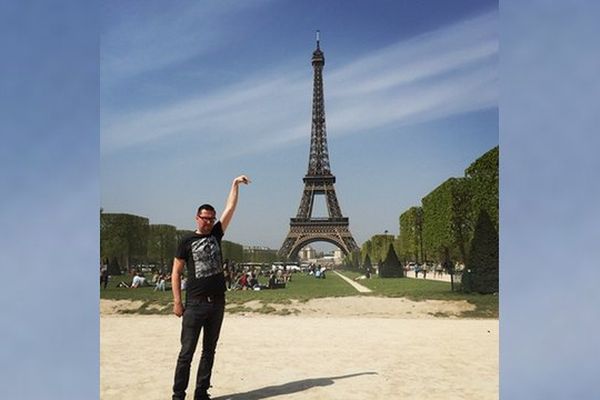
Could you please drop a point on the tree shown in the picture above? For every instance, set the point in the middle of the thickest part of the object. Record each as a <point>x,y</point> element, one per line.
<point>367,264</point>
<point>352,260</point>
<point>232,251</point>
<point>260,255</point>
<point>411,234</point>
<point>449,213</point>
<point>446,219</point>
<point>162,243</point>
<point>483,177</point>
<point>377,246</point>
<point>448,266</point>
<point>391,267</point>
<point>482,266</point>
<point>123,237</point>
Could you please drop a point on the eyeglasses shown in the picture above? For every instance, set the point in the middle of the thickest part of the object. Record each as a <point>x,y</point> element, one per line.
<point>207,219</point>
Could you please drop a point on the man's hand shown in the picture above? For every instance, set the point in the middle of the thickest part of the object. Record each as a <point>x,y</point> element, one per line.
<point>178,309</point>
<point>241,179</point>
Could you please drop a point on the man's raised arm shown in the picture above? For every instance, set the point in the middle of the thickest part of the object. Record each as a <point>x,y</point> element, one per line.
<point>232,200</point>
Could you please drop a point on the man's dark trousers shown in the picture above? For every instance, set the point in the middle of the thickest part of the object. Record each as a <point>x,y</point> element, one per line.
<point>204,313</point>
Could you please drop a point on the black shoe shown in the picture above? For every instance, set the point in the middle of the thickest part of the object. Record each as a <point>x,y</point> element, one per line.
<point>203,396</point>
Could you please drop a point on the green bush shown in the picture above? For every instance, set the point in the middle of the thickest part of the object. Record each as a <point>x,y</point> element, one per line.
<point>482,266</point>
<point>391,266</point>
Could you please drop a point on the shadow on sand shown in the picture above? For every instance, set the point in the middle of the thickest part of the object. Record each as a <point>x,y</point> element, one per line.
<point>287,388</point>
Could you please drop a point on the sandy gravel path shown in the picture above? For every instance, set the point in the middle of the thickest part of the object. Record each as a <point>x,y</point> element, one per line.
<point>327,354</point>
<point>355,285</point>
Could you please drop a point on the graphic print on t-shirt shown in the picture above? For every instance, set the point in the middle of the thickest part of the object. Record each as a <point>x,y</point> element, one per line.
<point>206,255</point>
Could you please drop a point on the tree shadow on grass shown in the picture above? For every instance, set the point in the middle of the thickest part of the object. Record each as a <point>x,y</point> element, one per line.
<point>287,388</point>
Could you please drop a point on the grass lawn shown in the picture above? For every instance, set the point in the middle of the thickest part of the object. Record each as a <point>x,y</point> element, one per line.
<point>424,289</point>
<point>304,288</point>
<point>301,288</point>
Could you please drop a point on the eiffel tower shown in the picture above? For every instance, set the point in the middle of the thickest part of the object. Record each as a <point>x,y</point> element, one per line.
<point>319,180</point>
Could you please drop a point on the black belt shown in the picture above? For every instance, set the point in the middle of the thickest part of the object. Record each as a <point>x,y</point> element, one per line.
<point>206,298</point>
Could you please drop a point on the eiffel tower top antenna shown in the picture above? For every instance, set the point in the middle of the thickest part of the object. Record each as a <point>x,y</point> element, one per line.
<point>318,39</point>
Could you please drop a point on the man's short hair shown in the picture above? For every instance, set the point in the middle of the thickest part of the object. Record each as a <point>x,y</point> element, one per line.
<point>207,207</point>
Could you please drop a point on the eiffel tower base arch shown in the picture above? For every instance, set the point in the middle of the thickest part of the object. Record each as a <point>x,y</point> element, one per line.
<point>304,233</point>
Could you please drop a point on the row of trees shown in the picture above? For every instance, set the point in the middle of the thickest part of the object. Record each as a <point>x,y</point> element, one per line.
<point>127,240</point>
<point>376,249</point>
<point>448,215</point>
<point>458,220</point>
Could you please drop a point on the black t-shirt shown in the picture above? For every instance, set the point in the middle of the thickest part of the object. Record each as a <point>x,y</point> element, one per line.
<point>202,255</point>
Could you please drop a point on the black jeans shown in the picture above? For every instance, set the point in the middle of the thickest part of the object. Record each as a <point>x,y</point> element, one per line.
<point>198,314</point>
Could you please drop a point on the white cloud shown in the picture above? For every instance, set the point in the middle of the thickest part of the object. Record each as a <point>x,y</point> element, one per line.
<point>180,31</point>
<point>441,73</point>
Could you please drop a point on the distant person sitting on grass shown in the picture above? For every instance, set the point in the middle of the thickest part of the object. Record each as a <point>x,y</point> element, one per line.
<point>160,283</point>
<point>253,282</point>
<point>137,281</point>
<point>287,276</point>
<point>320,272</point>
<point>271,283</point>
<point>243,281</point>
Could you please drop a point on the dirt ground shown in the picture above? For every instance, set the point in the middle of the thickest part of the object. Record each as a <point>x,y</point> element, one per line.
<point>334,348</point>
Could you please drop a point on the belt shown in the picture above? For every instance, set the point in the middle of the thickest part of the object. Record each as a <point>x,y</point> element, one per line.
<point>206,298</point>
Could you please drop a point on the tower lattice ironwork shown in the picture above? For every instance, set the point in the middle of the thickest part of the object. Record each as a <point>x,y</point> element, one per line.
<point>319,180</point>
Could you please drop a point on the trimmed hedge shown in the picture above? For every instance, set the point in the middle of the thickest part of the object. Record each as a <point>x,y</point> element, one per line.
<point>450,211</point>
<point>123,238</point>
<point>162,243</point>
<point>482,268</point>
<point>446,219</point>
<point>391,266</point>
<point>232,251</point>
<point>483,177</point>
<point>127,239</point>
<point>376,247</point>
<point>411,234</point>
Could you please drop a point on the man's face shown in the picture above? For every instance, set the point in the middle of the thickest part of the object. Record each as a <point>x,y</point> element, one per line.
<point>205,221</point>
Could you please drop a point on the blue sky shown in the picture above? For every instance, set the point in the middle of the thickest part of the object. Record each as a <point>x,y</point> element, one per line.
<point>549,210</point>
<point>49,180</point>
<point>193,95</point>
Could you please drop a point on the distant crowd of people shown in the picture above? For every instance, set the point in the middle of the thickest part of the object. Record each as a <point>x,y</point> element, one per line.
<point>438,270</point>
<point>317,271</point>
<point>243,277</point>
<point>159,281</point>
<point>237,277</point>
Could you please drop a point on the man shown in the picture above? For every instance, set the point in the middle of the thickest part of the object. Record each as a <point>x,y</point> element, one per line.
<point>200,254</point>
